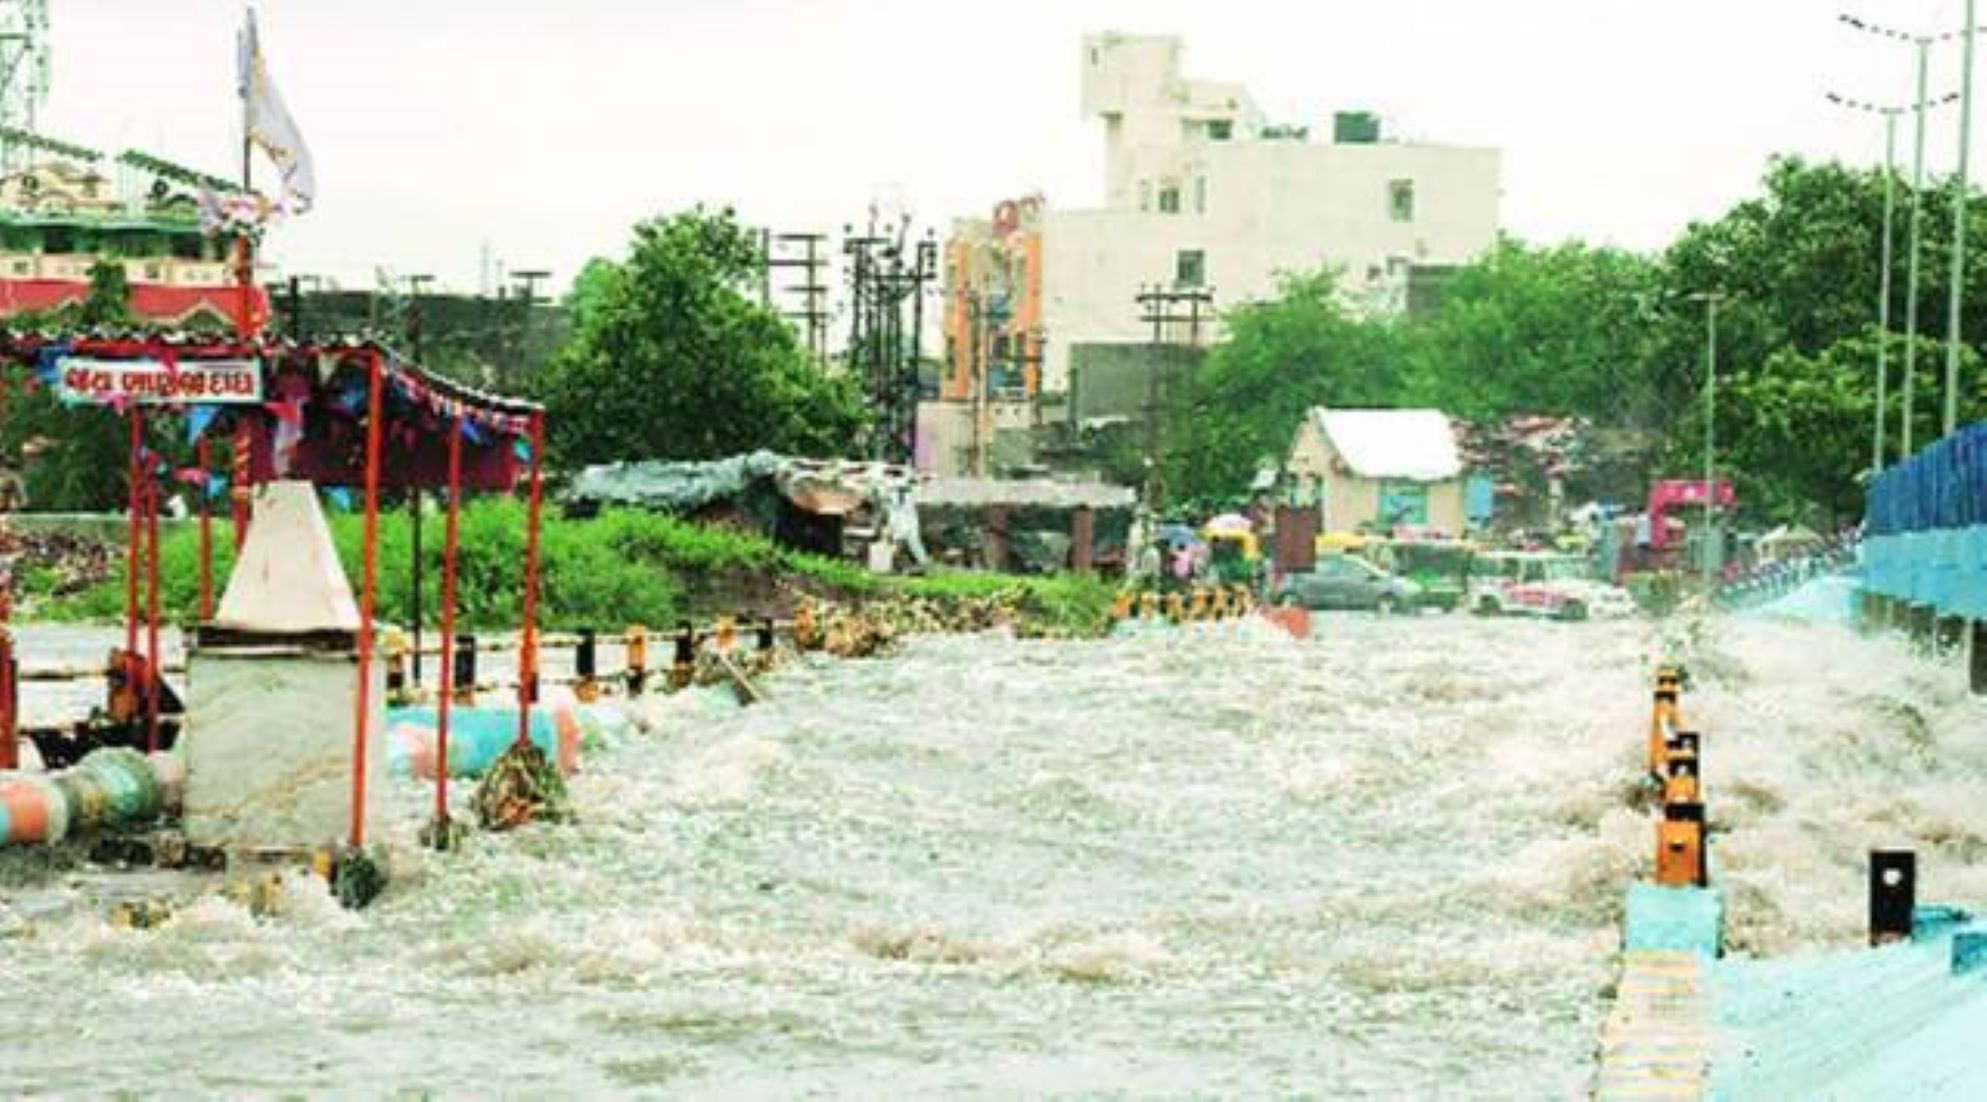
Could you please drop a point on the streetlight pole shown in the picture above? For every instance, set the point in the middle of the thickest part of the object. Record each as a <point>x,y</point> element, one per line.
<point>1923,44</point>
<point>1710,299</point>
<point>1954,294</point>
<point>1883,294</point>
<point>1911,268</point>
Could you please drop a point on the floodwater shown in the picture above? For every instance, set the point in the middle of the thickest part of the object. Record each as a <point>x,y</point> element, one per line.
<point>1383,863</point>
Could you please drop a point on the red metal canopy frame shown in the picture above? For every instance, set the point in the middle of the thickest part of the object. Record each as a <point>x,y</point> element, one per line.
<point>345,414</point>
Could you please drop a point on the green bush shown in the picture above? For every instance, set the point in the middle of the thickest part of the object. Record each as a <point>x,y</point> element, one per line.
<point>623,566</point>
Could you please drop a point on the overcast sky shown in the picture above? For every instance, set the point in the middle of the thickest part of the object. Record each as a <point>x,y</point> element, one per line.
<point>544,129</point>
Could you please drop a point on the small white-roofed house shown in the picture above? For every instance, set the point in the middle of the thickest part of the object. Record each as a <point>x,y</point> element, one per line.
<point>1379,470</point>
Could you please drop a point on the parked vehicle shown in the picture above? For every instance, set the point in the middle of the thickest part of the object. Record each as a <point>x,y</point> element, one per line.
<point>1441,567</point>
<point>1343,581</point>
<point>1534,583</point>
<point>1233,553</point>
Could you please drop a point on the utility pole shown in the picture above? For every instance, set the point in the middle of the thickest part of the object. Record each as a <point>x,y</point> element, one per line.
<point>1710,299</point>
<point>811,316</point>
<point>527,292</point>
<point>414,285</point>
<point>1955,293</point>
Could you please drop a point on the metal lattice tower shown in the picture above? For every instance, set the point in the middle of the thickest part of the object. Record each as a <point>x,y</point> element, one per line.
<point>24,61</point>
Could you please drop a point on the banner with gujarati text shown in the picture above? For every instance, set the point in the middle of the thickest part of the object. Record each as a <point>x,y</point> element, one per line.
<point>151,382</point>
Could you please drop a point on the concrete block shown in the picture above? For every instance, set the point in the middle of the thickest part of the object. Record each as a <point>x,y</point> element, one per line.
<point>1678,919</point>
<point>268,745</point>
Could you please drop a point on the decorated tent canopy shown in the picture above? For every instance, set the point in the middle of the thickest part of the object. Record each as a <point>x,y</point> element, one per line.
<point>349,414</point>
<point>302,407</point>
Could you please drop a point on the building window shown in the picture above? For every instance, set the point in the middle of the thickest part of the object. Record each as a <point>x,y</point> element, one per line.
<point>1190,268</point>
<point>1400,200</point>
<point>1200,195</point>
<point>1220,130</point>
<point>1169,199</point>
<point>1403,504</point>
<point>1145,195</point>
<point>152,273</point>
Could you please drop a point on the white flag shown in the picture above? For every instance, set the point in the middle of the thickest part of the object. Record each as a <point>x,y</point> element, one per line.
<point>270,126</point>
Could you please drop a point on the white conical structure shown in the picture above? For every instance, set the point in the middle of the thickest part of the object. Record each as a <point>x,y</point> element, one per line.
<point>287,579</point>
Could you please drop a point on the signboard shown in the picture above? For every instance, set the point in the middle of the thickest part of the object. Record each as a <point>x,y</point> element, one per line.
<point>153,382</point>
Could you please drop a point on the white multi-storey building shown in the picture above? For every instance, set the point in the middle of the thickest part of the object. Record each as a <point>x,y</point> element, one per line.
<point>1201,192</point>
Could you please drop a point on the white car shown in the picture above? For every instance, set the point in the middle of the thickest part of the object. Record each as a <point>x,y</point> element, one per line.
<point>1529,583</point>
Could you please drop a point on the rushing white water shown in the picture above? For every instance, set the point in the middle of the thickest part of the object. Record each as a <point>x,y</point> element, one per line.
<point>1387,862</point>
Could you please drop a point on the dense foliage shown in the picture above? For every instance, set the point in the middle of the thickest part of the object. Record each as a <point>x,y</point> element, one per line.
<point>673,356</point>
<point>1618,339</point>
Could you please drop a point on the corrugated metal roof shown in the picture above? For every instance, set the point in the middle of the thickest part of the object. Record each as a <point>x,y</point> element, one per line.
<point>1416,444</point>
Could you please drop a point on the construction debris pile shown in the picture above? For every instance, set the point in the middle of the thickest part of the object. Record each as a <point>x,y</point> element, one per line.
<point>56,564</point>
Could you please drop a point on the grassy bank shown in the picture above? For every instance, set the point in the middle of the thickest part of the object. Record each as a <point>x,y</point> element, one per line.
<point>624,566</point>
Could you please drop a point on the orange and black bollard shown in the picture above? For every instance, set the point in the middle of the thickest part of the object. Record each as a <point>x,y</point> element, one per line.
<point>727,634</point>
<point>765,639</point>
<point>1664,717</point>
<point>1683,782</point>
<point>1680,846</point>
<point>1176,608</point>
<point>1148,605</point>
<point>637,642</point>
<point>1122,607</point>
<point>586,655</point>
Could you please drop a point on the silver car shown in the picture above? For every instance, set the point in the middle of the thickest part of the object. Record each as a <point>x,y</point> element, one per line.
<point>1343,581</point>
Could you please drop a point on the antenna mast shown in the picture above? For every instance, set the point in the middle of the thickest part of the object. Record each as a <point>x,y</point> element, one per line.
<point>24,60</point>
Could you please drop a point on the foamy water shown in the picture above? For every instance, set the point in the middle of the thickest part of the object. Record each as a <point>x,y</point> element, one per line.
<point>1385,863</point>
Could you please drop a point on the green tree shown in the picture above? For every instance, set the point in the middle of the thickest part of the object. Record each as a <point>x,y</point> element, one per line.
<point>673,357</point>
<point>1527,329</point>
<point>1242,407</point>
<point>1794,434</point>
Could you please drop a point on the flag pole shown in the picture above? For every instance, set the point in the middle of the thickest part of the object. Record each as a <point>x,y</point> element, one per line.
<point>244,247</point>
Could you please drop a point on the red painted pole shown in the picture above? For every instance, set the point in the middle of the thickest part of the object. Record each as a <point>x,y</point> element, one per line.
<point>10,751</point>
<point>528,654</point>
<point>367,592</point>
<point>155,661</point>
<point>135,505</point>
<point>448,619</point>
<point>239,484</point>
<point>206,534</point>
